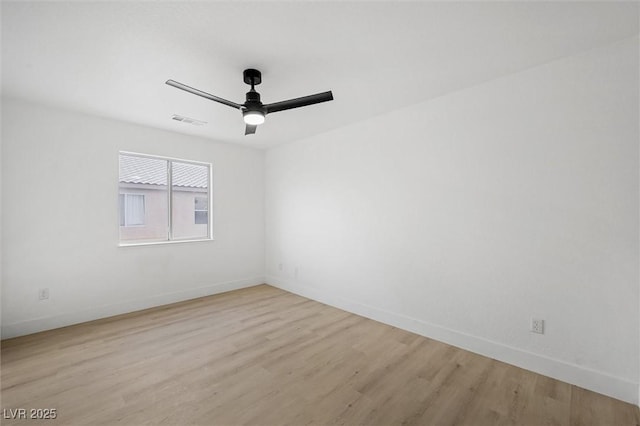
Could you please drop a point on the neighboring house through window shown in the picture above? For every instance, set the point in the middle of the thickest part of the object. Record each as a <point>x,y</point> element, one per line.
<point>163,199</point>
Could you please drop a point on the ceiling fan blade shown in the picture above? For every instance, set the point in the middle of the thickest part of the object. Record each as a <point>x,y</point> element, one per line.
<point>250,129</point>
<point>201,93</point>
<point>299,102</point>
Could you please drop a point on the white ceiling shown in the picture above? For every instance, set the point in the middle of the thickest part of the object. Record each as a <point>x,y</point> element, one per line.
<point>112,59</point>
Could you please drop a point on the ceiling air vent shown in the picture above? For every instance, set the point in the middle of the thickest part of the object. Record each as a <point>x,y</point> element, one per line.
<point>188,120</point>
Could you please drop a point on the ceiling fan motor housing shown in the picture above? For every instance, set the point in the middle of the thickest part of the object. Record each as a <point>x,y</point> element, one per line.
<point>253,104</point>
<point>253,97</point>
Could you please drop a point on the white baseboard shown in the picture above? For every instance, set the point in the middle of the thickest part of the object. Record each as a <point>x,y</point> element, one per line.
<point>35,325</point>
<point>596,381</point>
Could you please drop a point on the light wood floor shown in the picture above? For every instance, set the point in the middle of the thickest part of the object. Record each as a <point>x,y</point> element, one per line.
<point>263,356</point>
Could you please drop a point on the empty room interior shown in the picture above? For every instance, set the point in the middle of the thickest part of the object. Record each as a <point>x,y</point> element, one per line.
<point>318,212</point>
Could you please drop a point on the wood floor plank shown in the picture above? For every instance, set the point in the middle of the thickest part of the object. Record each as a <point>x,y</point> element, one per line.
<point>262,356</point>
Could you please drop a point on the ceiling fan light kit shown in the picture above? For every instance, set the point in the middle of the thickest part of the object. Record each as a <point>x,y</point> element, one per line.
<point>253,117</point>
<point>253,110</point>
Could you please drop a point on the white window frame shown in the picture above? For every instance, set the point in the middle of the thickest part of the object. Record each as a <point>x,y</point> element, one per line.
<point>170,239</point>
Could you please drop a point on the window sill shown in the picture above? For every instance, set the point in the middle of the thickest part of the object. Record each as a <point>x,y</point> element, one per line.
<point>156,243</point>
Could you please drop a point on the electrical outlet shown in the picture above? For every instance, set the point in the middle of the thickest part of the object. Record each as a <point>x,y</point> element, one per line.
<point>43,294</point>
<point>537,326</point>
<point>295,272</point>
<point>280,267</point>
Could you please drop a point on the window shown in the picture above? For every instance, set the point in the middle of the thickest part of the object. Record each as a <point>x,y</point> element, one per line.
<point>131,209</point>
<point>163,199</point>
<point>201,210</point>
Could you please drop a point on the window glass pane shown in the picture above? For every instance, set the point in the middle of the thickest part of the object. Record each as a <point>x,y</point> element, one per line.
<point>202,203</point>
<point>143,199</point>
<point>190,189</point>
<point>201,217</point>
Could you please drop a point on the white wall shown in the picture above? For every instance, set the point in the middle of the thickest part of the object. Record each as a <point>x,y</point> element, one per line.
<point>463,217</point>
<point>60,227</point>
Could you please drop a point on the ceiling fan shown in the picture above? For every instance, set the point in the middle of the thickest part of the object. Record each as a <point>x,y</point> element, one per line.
<point>253,110</point>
